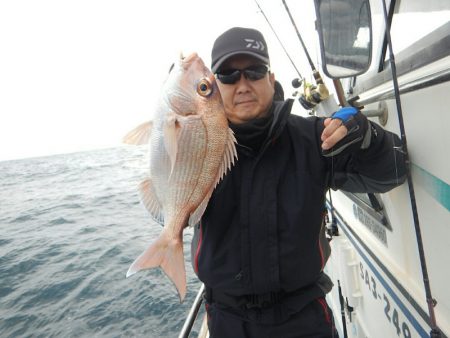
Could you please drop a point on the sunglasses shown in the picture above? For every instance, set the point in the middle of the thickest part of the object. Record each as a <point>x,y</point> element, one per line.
<point>252,73</point>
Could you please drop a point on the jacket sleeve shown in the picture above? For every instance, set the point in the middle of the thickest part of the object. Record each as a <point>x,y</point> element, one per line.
<point>376,169</point>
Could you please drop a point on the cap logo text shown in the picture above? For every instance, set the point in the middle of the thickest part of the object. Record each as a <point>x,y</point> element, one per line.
<point>255,44</point>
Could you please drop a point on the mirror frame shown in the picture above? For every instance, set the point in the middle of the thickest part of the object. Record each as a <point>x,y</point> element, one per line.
<point>319,29</point>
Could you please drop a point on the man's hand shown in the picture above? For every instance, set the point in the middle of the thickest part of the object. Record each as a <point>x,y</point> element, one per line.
<point>334,131</point>
<point>346,130</point>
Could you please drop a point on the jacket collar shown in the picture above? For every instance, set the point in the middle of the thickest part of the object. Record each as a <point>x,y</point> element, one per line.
<point>280,111</point>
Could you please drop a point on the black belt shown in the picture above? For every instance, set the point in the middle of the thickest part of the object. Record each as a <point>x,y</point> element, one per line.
<point>268,308</point>
<point>252,301</point>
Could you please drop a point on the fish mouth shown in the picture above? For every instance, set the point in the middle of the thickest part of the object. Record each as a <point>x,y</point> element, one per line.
<point>188,59</point>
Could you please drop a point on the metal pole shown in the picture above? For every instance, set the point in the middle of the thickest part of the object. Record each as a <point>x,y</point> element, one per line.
<point>341,301</point>
<point>435,331</point>
<point>190,319</point>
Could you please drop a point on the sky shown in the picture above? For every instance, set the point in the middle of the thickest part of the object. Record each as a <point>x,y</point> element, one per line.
<point>78,75</point>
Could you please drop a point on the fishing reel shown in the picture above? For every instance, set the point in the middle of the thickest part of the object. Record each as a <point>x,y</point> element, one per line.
<point>314,97</point>
<point>312,94</point>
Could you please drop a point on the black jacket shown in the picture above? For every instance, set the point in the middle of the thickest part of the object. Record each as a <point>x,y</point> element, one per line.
<point>262,230</point>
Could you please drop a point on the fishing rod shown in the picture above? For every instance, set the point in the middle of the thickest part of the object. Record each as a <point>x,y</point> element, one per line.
<point>276,35</point>
<point>435,331</point>
<point>316,74</point>
<point>320,94</point>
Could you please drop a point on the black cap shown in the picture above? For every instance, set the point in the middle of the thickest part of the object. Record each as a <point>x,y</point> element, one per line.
<point>236,41</point>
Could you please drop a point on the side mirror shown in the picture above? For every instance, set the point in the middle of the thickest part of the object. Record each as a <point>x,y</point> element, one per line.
<point>345,34</point>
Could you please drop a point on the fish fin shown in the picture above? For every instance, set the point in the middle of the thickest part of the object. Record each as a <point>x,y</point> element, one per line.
<point>229,156</point>
<point>171,131</point>
<point>151,201</point>
<point>139,135</point>
<point>168,254</point>
<point>228,160</point>
<point>198,213</point>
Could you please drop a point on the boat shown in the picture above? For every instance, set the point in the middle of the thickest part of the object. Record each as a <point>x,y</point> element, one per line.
<point>390,252</point>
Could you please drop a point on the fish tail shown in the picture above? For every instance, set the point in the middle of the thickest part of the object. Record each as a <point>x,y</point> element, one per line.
<point>168,254</point>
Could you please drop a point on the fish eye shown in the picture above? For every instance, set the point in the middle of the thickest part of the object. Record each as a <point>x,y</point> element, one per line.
<point>204,87</point>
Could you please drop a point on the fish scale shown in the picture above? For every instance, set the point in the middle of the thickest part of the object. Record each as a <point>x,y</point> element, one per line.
<point>187,171</point>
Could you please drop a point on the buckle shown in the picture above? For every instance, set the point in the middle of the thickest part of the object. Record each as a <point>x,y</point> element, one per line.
<point>262,301</point>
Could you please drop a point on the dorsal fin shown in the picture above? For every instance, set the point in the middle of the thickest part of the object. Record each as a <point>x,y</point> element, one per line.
<point>229,156</point>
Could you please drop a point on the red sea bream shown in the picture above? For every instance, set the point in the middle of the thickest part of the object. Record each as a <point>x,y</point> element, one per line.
<point>191,148</point>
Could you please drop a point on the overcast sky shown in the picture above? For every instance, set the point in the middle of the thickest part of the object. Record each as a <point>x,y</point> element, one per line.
<point>77,75</point>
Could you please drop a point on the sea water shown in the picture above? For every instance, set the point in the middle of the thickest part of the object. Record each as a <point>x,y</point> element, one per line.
<point>70,226</point>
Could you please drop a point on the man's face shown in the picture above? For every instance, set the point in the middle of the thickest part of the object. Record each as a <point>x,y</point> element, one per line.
<point>246,99</point>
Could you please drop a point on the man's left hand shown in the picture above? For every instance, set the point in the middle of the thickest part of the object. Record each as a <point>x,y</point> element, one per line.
<point>334,131</point>
<point>347,129</point>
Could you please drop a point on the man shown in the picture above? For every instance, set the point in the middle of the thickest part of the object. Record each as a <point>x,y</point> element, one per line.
<point>260,247</point>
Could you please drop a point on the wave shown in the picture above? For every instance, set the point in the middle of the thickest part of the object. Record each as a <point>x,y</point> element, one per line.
<point>70,226</point>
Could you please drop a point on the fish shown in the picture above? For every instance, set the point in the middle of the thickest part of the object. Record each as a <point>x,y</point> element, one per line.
<point>191,149</point>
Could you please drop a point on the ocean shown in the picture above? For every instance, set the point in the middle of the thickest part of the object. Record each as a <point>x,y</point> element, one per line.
<point>70,226</point>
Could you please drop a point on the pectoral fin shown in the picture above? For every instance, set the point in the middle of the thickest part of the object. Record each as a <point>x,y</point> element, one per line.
<point>171,131</point>
<point>139,135</point>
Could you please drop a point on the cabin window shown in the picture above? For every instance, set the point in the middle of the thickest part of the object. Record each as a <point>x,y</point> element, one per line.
<point>414,20</point>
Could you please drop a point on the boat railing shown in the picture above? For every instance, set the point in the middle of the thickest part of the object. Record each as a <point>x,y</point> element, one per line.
<point>193,313</point>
